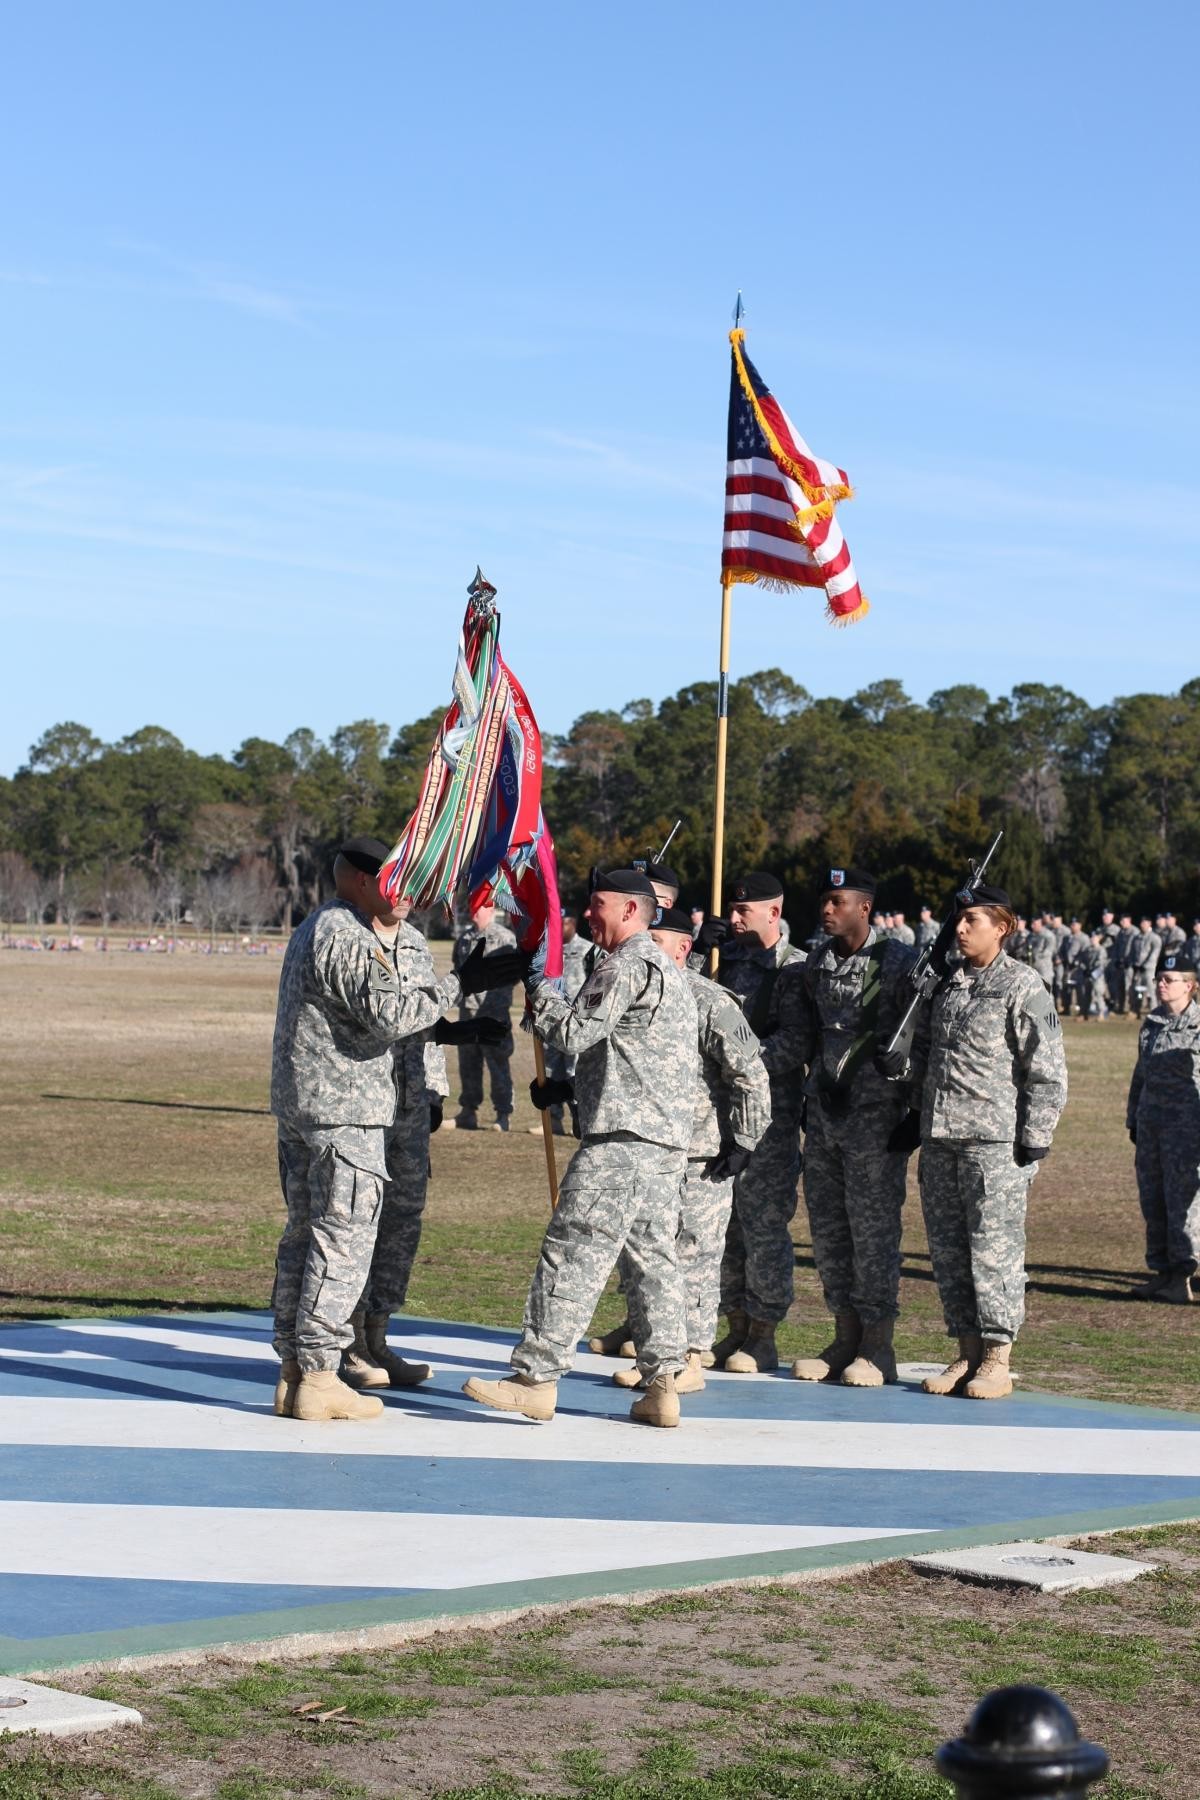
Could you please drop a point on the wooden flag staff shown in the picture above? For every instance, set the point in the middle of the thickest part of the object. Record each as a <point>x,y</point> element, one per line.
<point>722,745</point>
<point>539,1064</point>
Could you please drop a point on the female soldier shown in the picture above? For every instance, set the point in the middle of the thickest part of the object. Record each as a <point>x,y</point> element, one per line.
<point>1163,1117</point>
<point>995,1086</point>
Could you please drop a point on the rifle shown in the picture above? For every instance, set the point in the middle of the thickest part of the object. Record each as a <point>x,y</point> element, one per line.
<point>643,862</point>
<point>930,966</point>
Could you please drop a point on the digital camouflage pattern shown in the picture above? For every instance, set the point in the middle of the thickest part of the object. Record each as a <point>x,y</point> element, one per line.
<point>854,1185</point>
<point>406,1150</point>
<point>1090,987</point>
<point>346,1001</point>
<point>1164,1110</point>
<point>633,1030</point>
<point>333,1200</point>
<point>758,1264</point>
<point>996,1078</point>
<point>996,1071</point>
<point>732,1103</point>
<point>1040,952</point>
<point>420,1064</point>
<point>342,1005</point>
<point>973,1197</point>
<point>473,1059</point>
<point>619,1198</point>
<point>560,1066</point>
<point>1144,953</point>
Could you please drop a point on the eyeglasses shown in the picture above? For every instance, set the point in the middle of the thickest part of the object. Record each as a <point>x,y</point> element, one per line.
<point>1167,980</point>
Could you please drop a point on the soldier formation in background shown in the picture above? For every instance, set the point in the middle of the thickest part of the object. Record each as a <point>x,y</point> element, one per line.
<point>691,1098</point>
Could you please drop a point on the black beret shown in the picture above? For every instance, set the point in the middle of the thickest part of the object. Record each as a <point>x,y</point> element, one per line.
<point>858,879</point>
<point>673,918</point>
<point>623,881</point>
<point>1173,962</point>
<point>365,853</point>
<point>758,885</point>
<point>659,872</point>
<point>989,896</point>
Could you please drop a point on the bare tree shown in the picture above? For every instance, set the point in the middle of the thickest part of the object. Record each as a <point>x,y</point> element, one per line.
<point>20,889</point>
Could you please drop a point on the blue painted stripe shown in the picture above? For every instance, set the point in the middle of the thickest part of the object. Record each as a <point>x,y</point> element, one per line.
<point>39,1606</point>
<point>883,1499</point>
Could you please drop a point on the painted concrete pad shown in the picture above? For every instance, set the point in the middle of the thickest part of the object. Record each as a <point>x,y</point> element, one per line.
<point>150,1502</point>
<point>1049,1568</point>
<point>28,1707</point>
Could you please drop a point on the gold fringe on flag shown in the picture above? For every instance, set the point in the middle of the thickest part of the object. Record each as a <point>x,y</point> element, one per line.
<point>822,497</point>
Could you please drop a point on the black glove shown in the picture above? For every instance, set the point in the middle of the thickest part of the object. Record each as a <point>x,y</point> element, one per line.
<point>470,1031</point>
<point>730,1159</point>
<point>1024,1154</point>
<point>907,1134</point>
<point>1133,1135</point>
<point>435,1116</point>
<point>712,934</point>
<point>551,1093</point>
<point>479,973</point>
<point>891,1064</point>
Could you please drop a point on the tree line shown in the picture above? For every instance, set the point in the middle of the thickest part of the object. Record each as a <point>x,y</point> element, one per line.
<point>1098,804</point>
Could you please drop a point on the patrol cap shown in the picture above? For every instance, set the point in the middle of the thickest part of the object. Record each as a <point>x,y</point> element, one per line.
<point>989,896</point>
<point>623,881</point>
<point>759,884</point>
<point>365,853</point>
<point>856,879</point>
<point>673,918</point>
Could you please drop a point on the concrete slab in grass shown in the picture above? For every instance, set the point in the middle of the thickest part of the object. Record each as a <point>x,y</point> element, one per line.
<point>1047,1567</point>
<point>26,1706</point>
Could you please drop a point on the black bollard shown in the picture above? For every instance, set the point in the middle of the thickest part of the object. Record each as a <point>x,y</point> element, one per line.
<point>1021,1742</point>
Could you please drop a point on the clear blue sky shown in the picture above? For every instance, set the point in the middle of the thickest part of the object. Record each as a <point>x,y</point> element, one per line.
<point>306,309</point>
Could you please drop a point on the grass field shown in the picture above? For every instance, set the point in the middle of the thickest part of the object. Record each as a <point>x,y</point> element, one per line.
<point>137,1172</point>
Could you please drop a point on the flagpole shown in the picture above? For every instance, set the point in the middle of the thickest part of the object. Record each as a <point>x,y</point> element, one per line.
<point>718,855</point>
<point>539,1064</point>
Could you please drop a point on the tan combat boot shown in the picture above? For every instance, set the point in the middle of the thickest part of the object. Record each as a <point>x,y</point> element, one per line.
<point>627,1378</point>
<point>955,1376</point>
<point>758,1354</point>
<point>322,1396</point>
<point>992,1380</point>
<point>617,1342</point>
<point>359,1368</point>
<point>876,1360</point>
<point>1177,1291</point>
<point>847,1330</point>
<point>690,1379</point>
<point>659,1405</point>
<point>738,1324</point>
<point>400,1374</point>
<point>516,1393</point>
<point>285,1389</point>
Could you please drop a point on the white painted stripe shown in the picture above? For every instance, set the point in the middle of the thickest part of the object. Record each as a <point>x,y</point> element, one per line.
<point>411,1428</point>
<point>324,1549</point>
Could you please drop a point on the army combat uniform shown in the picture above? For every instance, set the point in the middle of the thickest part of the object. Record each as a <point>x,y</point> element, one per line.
<point>497,1004</point>
<point>732,1105</point>
<point>757,1269</point>
<point>1119,978</point>
<point>342,1005</point>
<point>1144,953</point>
<point>419,1067</point>
<point>1163,1116</point>
<point>632,1029</point>
<point>559,1066</point>
<point>995,1086</point>
<point>853,1184</point>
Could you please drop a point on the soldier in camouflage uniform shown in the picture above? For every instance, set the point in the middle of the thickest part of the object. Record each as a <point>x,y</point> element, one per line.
<point>1163,1117</point>
<point>1089,973</point>
<point>757,1271</point>
<point>421,1089</point>
<point>632,1029</point>
<point>859,1135</point>
<point>342,1006</point>
<point>488,929</point>
<point>1144,953</point>
<point>926,929</point>
<point>559,1066</point>
<point>1191,950</point>
<point>732,1111</point>
<point>1070,957</point>
<point>1173,936</point>
<point>1040,951</point>
<point>1118,965</point>
<point>995,1085</point>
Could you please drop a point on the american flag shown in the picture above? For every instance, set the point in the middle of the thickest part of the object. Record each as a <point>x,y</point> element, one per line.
<point>780,521</point>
